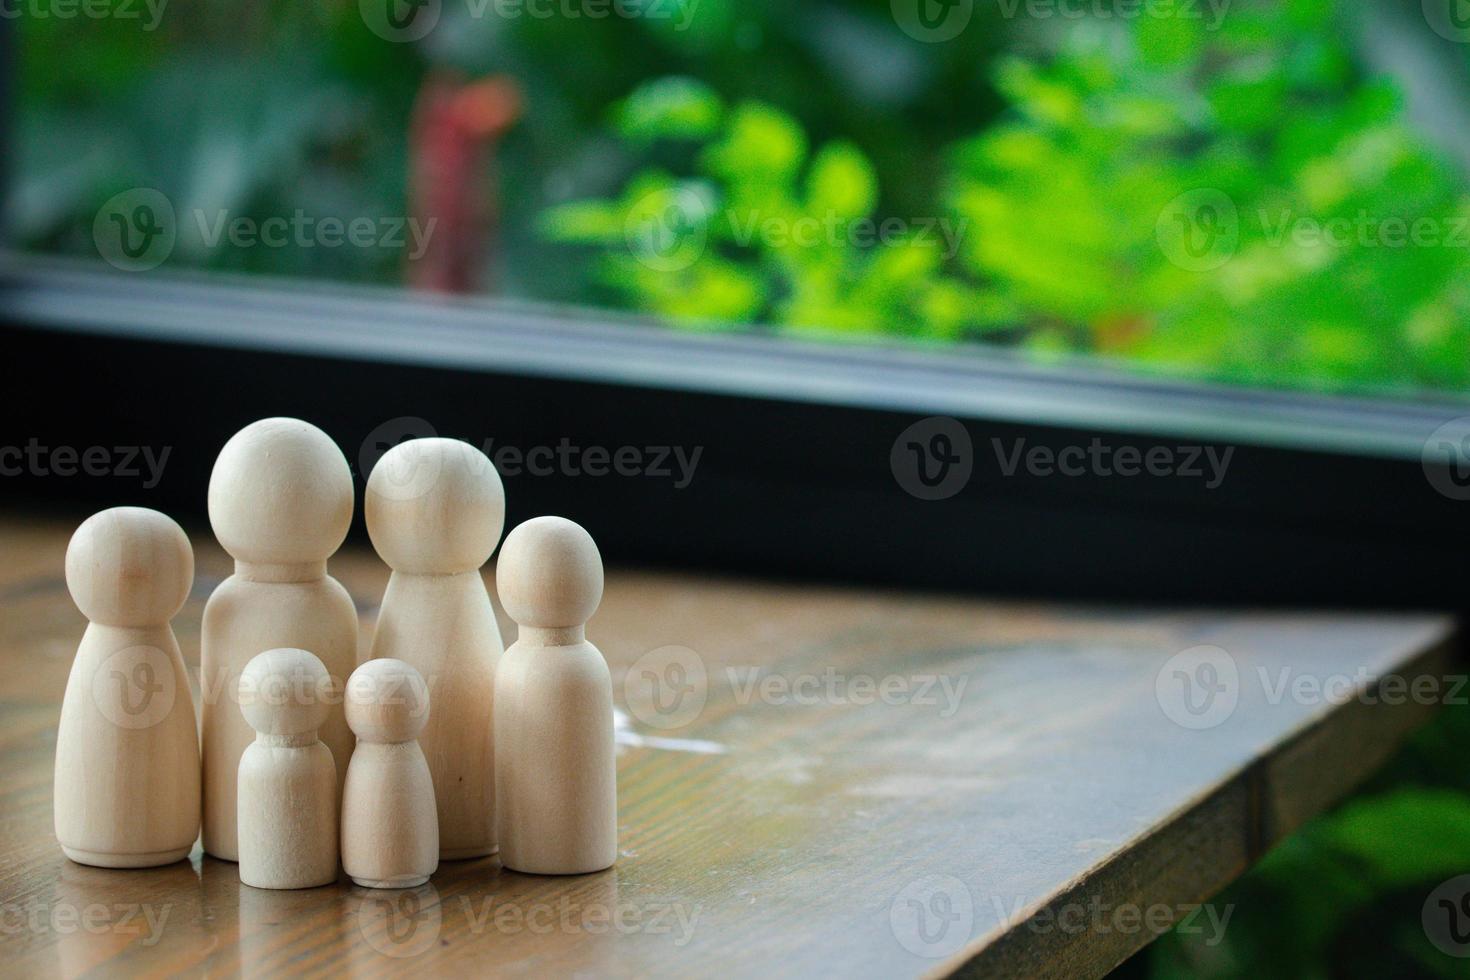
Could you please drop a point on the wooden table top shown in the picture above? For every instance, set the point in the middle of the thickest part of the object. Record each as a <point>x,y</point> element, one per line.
<point>810,779</point>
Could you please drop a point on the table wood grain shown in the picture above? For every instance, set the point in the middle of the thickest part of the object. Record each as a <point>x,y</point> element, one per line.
<point>876,784</point>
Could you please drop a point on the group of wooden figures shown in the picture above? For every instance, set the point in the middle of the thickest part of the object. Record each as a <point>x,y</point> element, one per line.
<point>442,745</point>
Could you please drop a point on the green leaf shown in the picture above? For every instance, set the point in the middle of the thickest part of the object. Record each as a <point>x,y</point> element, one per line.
<point>582,221</point>
<point>841,183</point>
<point>761,145</point>
<point>1172,41</point>
<point>669,108</point>
<point>1406,838</point>
<point>1250,100</point>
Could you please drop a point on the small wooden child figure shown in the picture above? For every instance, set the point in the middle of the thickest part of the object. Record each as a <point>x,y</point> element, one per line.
<point>390,824</point>
<point>555,778</point>
<point>287,789</point>
<point>127,751</point>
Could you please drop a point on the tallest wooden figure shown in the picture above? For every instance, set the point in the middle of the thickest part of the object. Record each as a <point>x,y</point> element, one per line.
<point>435,509</point>
<point>280,502</point>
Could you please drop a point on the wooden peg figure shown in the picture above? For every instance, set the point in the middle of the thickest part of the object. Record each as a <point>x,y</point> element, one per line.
<point>127,752</point>
<point>287,788</point>
<point>556,781</point>
<point>435,509</point>
<point>390,824</point>
<point>280,502</point>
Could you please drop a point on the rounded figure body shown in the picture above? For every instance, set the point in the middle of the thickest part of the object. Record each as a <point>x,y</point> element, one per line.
<point>556,775</point>
<point>434,510</point>
<point>390,823</point>
<point>288,815</point>
<point>243,617</point>
<point>127,752</point>
<point>555,772</point>
<point>280,502</point>
<point>286,788</point>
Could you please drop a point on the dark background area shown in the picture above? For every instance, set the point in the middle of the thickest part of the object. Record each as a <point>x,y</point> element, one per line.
<point>781,488</point>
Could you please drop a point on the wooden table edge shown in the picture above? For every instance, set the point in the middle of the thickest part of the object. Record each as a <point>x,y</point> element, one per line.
<point>1262,796</point>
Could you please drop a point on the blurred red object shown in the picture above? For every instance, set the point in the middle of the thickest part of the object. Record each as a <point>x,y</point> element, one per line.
<point>452,180</point>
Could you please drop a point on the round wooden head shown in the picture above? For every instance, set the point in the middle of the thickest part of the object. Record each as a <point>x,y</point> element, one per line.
<point>387,701</point>
<point>549,574</point>
<point>280,494</point>
<point>285,692</point>
<point>129,566</point>
<point>434,507</point>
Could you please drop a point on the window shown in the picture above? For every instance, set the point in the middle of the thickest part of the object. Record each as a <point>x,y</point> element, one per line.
<point>1261,192</point>
<point>928,268</point>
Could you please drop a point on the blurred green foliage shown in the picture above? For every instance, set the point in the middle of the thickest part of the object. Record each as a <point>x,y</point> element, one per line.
<point>1114,152</point>
<point>1151,190</point>
<point>770,230</point>
<point>1234,203</point>
<point>1343,897</point>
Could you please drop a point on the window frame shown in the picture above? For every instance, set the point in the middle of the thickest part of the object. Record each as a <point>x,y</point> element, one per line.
<point>1325,499</point>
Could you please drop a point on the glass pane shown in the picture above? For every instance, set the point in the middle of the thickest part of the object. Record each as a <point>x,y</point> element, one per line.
<point>1267,192</point>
